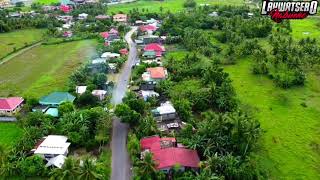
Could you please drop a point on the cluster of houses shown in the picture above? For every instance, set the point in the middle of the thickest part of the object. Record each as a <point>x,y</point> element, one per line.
<point>166,152</point>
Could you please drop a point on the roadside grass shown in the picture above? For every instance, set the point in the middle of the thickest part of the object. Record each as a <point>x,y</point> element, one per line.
<point>9,133</point>
<point>43,69</point>
<point>308,27</point>
<point>18,39</point>
<point>167,5</point>
<point>290,118</point>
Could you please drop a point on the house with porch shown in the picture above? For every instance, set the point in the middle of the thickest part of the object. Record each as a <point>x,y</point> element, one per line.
<point>10,106</point>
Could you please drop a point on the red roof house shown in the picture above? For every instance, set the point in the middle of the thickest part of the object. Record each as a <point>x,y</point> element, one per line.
<point>65,8</point>
<point>154,47</point>
<point>157,72</point>
<point>169,157</point>
<point>166,154</point>
<point>104,34</point>
<point>146,28</point>
<point>10,105</point>
<point>123,51</point>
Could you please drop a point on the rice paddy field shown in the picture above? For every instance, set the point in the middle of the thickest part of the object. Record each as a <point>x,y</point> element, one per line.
<point>43,69</point>
<point>18,39</point>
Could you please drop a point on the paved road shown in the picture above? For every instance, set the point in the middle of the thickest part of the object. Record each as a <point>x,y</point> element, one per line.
<point>120,158</point>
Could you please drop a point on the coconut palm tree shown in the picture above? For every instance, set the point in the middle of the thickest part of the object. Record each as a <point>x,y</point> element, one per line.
<point>88,170</point>
<point>147,167</point>
<point>69,171</point>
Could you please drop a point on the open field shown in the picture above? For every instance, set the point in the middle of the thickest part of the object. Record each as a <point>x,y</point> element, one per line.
<point>306,28</point>
<point>43,69</point>
<point>9,133</point>
<point>47,1</point>
<point>291,142</point>
<point>18,39</point>
<point>167,5</point>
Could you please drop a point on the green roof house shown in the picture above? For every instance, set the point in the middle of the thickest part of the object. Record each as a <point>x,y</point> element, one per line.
<point>56,98</point>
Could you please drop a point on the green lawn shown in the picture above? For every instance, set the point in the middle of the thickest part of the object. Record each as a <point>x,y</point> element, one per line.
<point>291,142</point>
<point>306,28</point>
<point>47,1</point>
<point>172,5</point>
<point>18,39</point>
<point>43,69</point>
<point>9,133</point>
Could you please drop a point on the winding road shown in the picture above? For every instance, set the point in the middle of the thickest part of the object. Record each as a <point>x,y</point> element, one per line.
<point>120,159</point>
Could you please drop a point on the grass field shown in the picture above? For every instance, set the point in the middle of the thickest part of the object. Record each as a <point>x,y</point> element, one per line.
<point>18,39</point>
<point>9,133</point>
<point>306,28</point>
<point>47,2</point>
<point>171,5</point>
<point>291,142</point>
<point>43,69</point>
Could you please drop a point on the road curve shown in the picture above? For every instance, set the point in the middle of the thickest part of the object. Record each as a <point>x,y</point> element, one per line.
<point>120,159</point>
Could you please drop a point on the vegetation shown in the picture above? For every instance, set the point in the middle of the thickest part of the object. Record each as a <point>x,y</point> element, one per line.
<point>288,118</point>
<point>9,133</point>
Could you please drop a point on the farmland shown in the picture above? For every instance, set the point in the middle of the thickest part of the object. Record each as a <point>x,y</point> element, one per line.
<point>18,39</point>
<point>43,69</point>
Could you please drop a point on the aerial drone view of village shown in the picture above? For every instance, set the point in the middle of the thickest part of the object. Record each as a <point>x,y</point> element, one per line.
<point>159,89</point>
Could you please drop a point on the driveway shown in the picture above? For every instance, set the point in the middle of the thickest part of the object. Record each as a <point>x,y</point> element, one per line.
<point>120,159</point>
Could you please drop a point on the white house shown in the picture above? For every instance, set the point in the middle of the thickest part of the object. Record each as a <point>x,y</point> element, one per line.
<point>100,94</point>
<point>57,161</point>
<point>82,16</point>
<point>98,61</point>
<point>52,146</point>
<point>109,55</point>
<point>148,94</point>
<point>81,89</point>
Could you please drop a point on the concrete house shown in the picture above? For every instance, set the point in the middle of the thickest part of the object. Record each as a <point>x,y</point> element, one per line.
<point>164,112</point>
